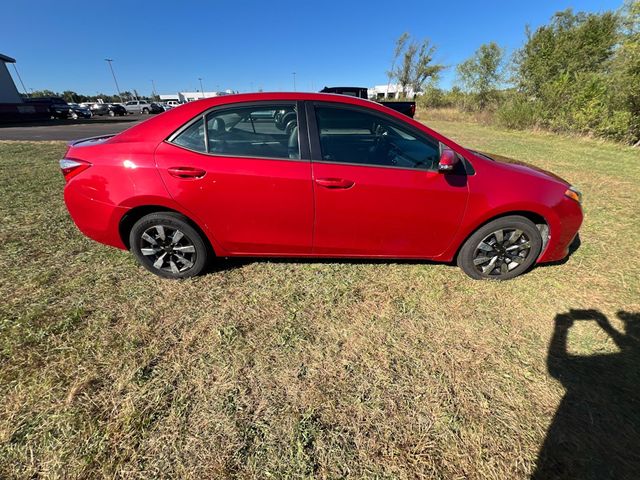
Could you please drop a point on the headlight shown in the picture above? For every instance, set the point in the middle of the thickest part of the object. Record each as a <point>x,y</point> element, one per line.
<point>574,193</point>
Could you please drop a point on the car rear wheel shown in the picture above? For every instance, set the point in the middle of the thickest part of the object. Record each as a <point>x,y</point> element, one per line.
<point>145,111</point>
<point>112,113</point>
<point>166,244</point>
<point>502,249</point>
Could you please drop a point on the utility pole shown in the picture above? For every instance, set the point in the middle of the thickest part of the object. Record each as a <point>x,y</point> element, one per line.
<point>153,89</point>
<point>109,60</point>
<point>294,81</point>
<point>201,88</point>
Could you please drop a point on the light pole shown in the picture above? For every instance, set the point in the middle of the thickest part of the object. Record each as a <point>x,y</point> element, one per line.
<point>201,89</point>
<point>109,60</point>
<point>153,89</point>
<point>294,81</point>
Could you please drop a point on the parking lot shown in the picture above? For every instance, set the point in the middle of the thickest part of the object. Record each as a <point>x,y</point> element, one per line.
<point>70,129</point>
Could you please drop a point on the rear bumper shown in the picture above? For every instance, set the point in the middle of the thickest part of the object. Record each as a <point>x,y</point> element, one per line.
<point>97,220</point>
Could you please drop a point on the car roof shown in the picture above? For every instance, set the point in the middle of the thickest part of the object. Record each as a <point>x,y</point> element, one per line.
<point>158,128</point>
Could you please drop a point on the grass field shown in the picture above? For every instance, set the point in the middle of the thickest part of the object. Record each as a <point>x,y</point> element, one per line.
<point>285,369</point>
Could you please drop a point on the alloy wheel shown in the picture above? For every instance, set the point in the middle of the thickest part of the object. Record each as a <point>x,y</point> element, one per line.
<point>168,248</point>
<point>501,251</point>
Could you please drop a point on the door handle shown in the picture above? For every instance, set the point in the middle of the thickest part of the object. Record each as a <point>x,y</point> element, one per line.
<point>186,172</point>
<point>335,182</point>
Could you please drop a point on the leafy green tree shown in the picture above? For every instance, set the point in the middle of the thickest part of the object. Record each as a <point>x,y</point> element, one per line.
<point>482,74</point>
<point>400,45</point>
<point>417,67</point>
<point>44,93</point>
<point>580,73</point>
<point>570,44</point>
<point>626,66</point>
<point>71,96</point>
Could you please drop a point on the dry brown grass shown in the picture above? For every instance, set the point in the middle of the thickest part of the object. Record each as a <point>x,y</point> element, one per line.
<point>428,115</point>
<point>290,369</point>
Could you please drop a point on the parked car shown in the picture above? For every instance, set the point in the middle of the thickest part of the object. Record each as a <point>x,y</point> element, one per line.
<point>79,111</point>
<point>156,108</point>
<point>58,108</point>
<point>349,178</point>
<point>138,106</point>
<point>98,109</point>
<point>407,108</point>
<point>111,109</point>
<point>173,103</point>
<point>116,109</point>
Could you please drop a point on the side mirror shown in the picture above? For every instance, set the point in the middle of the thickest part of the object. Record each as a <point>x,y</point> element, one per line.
<point>448,161</point>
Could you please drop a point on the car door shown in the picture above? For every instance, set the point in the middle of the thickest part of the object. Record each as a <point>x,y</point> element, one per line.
<point>376,186</point>
<point>246,179</point>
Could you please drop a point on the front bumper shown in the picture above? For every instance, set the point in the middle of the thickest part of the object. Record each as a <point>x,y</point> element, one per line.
<point>564,238</point>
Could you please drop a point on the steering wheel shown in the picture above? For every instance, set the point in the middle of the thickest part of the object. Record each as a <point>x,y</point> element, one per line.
<point>384,146</point>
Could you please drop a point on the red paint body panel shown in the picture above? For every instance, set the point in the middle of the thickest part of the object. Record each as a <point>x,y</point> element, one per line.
<point>251,206</point>
<point>387,212</point>
<point>269,207</point>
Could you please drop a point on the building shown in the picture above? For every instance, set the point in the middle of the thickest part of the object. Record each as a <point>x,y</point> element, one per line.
<point>13,108</point>
<point>8,91</point>
<point>393,90</point>
<point>183,97</point>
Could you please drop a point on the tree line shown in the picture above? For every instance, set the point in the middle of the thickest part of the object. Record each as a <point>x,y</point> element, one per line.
<point>74,97</point>
<point>579,73</point>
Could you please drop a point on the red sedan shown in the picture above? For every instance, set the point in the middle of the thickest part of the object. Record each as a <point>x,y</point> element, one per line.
<point>311,175</point>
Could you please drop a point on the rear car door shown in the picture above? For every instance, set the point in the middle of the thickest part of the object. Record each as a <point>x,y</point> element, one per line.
<point>246,175</point>
<point>376,186</point>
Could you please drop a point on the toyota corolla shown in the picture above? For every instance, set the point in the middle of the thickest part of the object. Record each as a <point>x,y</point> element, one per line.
<point>312,175</point>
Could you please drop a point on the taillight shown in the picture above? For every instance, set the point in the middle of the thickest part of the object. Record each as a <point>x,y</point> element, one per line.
<point>412,109</point>
<point>71,167</point>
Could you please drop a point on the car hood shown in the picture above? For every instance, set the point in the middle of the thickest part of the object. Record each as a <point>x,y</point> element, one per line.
<point>520,165</point>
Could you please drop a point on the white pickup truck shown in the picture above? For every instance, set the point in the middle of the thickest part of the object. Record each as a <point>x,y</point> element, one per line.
<point>138,106</point>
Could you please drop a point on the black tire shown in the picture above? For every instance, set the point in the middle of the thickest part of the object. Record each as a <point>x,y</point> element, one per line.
<point>183,258</point>
<point>502,249</point>
<point>145,111</point>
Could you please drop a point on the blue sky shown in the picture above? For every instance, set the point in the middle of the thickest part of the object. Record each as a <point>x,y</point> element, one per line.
<point>246,45</point>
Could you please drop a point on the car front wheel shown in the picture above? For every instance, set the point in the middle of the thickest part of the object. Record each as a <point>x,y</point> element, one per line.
<point>502,249</point>
<point>166,244</point>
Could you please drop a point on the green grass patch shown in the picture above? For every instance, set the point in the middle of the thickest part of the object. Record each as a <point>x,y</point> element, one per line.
<point>285,369</point>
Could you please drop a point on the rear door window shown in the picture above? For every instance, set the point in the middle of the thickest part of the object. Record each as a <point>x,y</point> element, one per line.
<point>268,131</point>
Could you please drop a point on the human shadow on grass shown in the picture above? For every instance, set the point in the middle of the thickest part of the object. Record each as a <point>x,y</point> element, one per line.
<point>595,433</point>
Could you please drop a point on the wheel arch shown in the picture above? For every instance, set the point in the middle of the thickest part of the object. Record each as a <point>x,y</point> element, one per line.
<point>129,219</point>
<point>538,220</point>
